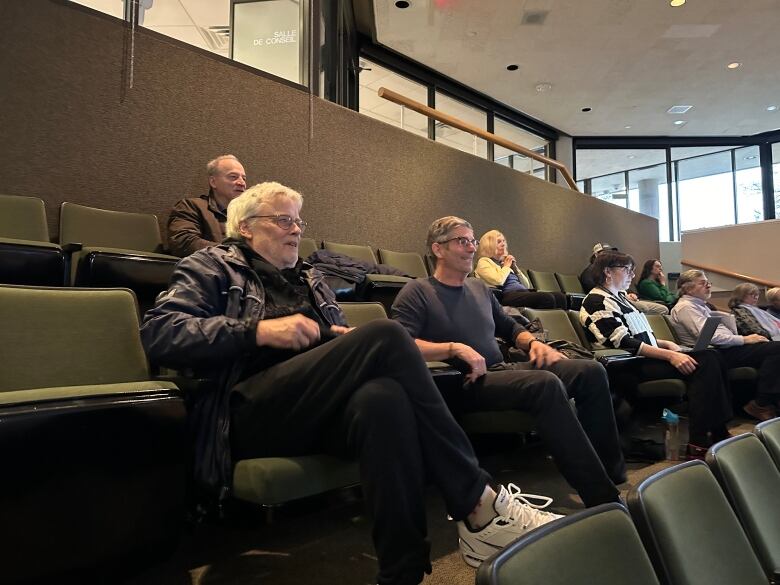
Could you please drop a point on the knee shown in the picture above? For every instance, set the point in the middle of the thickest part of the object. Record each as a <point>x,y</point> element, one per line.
<point>551,389</point>
<point>382,401</point>
<point>387,331</point>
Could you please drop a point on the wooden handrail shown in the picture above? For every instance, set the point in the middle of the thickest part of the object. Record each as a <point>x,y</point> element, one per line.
<point>736,275</point>
<point>404,101</point>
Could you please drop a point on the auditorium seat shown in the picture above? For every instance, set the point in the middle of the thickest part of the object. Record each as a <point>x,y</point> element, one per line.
<point>570,283</point>
<point>690,531</point>
<point>599,545</point>
<point>306,247</point>
<point>116,249</point>
<point>548,282</point>
<point>26,254</point>
<point>769,433</point>
<point>409,262</point>
<point>751,482</point>
<point>93,451</point>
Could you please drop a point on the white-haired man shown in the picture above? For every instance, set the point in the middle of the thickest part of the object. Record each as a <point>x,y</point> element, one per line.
<point>197,222</point>
<point>294,380</point>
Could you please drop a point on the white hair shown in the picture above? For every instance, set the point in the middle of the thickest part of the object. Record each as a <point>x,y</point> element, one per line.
<point>249,202</point>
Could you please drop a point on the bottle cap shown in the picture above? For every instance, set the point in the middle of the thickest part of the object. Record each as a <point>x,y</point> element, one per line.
<point>669,417</point>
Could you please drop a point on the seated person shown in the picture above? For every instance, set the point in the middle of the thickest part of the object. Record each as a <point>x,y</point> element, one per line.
<point>652,284</point>
<point>773,298</point>
<point>497,267</point>
<point>588,280</point>
<point>198,222</point>
<point>293,380</point>
<point>457,319</point>
<point>612,322</point>
<point>689,315</point>
<point>750,319</point>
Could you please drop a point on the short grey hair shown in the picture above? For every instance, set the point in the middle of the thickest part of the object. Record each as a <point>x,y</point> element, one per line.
<point>440,229</point>
<point>249,202</point>
<point>212,167</point>
<point>773,293</point>
<point>685,282</point>
<point>740,292</point>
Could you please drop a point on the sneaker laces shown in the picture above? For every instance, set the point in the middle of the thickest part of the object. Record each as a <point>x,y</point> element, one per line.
<point>521,509</point>
<point>515,493</point>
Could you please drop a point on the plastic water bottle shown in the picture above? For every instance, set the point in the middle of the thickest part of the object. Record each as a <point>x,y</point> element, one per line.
<point>672,435</point>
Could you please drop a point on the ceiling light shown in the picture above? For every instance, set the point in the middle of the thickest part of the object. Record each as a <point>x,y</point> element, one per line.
<point>631,156</point>
<point>679,122</point>
<point>543,87</point>
<point>512,67</point>
<point>771,108</point>
<point>751,157</point>
<point>676,3</point>
<point>678,109</point>
<point>733,65</point>
<point>627,127</point>
<point>402,4</point>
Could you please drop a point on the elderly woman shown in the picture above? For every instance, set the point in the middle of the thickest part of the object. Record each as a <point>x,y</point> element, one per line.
<point>773,298</point>
<point>612,322</point>
<point>497,267</point>
<point>652,284</point>
<point>750,319</point>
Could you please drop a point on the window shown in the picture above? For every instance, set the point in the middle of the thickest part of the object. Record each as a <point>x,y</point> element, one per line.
<point>113,7</point>
<point>776,176</point>
<point>458,138</point>
<point>705,191</point>
<point>372,77</point>
<point>611,188</point>
<point>203,24</point>
<point>747,180</point>
<point>519,136</point>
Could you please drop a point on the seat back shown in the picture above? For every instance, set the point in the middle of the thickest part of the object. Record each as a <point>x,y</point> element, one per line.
<point>544,281</point>
<point>597,545</point>
<point>23,218</point>
<point>555,322</point>
<point>769,433</point>
<point>358,314</point>
<point>68,337</point>
<point>690,531</point>
<point>574,319</point>
<point>751,481</point>
<point>661,327</point>
<point>569,283</point>
<point>364,253</point>
<point>94,227</point>
<point>306,247</point>
<point>409,262</point>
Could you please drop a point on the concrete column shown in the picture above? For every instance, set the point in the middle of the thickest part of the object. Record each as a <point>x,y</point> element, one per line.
<point>648,197</point>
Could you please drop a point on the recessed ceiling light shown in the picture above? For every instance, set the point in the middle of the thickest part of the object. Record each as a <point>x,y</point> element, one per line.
<point>631,156</point>
<point>512,67</point>
<point>751,157</point>
<point>733,65</point>
<point>679,122</point>
<point>676,3</point>
<point>586,109</point>
<point>627,127</point>
<point>402,4</point>
<point>771,108</point>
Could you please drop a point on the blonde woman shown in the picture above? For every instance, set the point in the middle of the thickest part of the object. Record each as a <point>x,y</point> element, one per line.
<point>497,267</point>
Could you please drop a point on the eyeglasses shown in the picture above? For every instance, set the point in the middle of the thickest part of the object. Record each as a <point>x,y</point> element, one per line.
<point>283,221</point>
<point>462,241</point>
<point>626,267</point>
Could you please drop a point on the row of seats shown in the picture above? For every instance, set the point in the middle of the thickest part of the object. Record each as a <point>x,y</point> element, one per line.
<point>695,523</point>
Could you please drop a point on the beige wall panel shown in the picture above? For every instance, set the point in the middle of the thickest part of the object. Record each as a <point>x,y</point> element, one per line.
<point>75,131</point>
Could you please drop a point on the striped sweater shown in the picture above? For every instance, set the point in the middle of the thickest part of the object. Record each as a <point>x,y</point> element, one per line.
<point>612,322</point>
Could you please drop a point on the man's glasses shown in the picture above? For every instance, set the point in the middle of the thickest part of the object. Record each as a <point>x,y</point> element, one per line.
<point>462,241</point>
<point>283,221</point>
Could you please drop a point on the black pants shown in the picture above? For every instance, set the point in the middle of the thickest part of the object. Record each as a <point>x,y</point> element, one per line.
<point>765,357</point>
<point>586,451</point>
<point>709,403</point>
<point>534,300</point>
<point>370,392</point>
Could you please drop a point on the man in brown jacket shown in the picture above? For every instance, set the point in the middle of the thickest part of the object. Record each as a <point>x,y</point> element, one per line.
<point>199,222</point>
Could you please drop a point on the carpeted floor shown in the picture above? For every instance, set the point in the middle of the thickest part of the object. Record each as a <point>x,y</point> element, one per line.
<point>327,540</point>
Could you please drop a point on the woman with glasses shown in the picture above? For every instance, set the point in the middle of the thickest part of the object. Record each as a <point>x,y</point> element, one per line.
<point>652,284</point>
<point>497,267</point>
<point>612,322</point>
<point>750,318</point>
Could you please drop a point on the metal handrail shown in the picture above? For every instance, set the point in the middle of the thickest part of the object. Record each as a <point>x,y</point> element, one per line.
<point>404,101</point>
<point>730,274</point>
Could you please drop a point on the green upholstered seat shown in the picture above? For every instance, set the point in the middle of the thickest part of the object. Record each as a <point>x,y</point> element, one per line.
<point>26,255</point>
<point>358,314</point>
<point>306,247</point>
<point>364,253</point>
<point>544,281</point>
<point>690,531</point>
<point>599,545</point>
<point>569,283</point>
<point>769,433</point>
<point>556,324</point>
<point>408,262</point>
<point>661,327</point>
<point>751,481</point>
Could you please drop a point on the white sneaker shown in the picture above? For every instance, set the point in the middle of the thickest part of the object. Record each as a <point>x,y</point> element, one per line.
<point>517,514</point>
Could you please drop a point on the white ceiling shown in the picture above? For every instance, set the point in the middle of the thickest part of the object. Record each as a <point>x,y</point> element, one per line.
<point>628,60</point>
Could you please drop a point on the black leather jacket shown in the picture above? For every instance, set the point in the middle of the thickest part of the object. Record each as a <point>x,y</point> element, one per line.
<point>206,322</point>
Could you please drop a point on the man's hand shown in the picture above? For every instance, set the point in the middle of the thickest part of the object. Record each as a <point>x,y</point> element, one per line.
<point>339,330</point>
<point>684,363</point>
<point>754,338</point>
<point>542,355</point>
<point>670,345</point>
<point>294,332</point>
<point>474,360</point>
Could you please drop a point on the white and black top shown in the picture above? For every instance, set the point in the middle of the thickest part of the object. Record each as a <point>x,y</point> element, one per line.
<point>612,322</point>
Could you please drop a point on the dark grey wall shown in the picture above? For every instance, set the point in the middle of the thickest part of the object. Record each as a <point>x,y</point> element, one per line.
<point>73,130</point>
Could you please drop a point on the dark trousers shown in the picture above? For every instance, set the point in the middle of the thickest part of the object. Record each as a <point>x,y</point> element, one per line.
<point>586,451</point>
<point>765,357</point>
<point>369,392</point>
<point>709,403</point>
<point>534,300</point>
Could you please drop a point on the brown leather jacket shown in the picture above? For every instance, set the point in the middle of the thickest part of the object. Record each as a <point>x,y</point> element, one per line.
<point>195,223</point>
